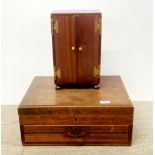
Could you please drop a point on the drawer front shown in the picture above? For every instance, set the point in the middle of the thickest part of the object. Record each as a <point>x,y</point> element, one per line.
<point>91,138</point>
<point>76,119</point>
<point>62,128</point>
<point>75,135</point>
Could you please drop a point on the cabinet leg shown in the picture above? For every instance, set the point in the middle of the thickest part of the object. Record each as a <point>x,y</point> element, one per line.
<point>97,86</point>
<point>57,87</point>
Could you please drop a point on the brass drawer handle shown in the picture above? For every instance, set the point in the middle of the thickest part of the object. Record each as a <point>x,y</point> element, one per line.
<point>76,135</point>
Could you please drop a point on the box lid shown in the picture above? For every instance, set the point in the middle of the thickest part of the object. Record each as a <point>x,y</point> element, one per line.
<point>42,98</point>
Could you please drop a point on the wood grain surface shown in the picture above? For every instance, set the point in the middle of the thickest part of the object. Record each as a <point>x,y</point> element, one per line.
<point>76,116</point>
<point>76,47</point>
<point>42,93</point>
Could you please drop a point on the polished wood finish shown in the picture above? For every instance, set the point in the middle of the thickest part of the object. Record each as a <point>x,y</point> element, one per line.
<point>81,119</point>
<point>76,116</point>
<point>41,93</point>
<point>86,128</point>
<point>76,47</point>
<point>89,41</point>
<point>91,138</point>
<point>63,41</point>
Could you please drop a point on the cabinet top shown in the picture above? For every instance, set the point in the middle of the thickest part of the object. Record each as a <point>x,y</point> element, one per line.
<point>76,12</point>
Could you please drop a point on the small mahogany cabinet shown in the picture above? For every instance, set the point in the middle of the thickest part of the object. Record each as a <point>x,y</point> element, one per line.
<point>76,116</point>
<point>76,38</point>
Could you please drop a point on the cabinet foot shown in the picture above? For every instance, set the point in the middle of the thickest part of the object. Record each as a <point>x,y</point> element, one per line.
<point>57,87</point>
<point>96,86</point>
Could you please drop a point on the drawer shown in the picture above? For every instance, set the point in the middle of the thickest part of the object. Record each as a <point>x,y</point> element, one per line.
<point>62,128</point>
<point>65,139</point>
<point>75,135</point>
<point>76,119</point>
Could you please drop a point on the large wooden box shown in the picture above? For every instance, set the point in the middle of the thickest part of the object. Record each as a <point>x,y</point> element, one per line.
<point>76,38</point>
<point>76,116</point>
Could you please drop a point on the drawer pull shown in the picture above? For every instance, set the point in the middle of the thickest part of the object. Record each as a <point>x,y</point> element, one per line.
<point>76,135</point>
<point>80,48</point>
<point>73,48</point>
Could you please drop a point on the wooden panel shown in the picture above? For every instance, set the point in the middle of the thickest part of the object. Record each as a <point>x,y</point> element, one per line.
<point>109,138</point>
<point>42,94</point>
<point>89,41</point>
<point>44,107</point>
<point>76,120</point>
<point>68,110</point>
<point>63,55</point>
<point>61,128</point>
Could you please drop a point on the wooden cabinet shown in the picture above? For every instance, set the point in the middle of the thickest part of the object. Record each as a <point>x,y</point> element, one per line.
<point>76,38</point>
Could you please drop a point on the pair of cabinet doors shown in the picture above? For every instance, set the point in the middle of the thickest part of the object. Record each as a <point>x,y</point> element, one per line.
<point>76,41</point>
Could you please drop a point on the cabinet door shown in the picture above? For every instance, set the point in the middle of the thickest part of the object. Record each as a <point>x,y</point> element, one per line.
<point>64,48</point>
<point>88,48</point>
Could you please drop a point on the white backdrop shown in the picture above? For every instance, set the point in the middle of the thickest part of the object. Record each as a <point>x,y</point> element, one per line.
<point>27,46</point>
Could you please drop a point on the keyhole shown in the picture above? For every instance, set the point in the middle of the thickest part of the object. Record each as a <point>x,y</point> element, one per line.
<point>75,119</point>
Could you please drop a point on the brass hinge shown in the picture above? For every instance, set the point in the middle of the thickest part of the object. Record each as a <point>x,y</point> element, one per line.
<point>57,73</point>
<point>96,71</point>
<point>54,26</point>
<point>97,25</point>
